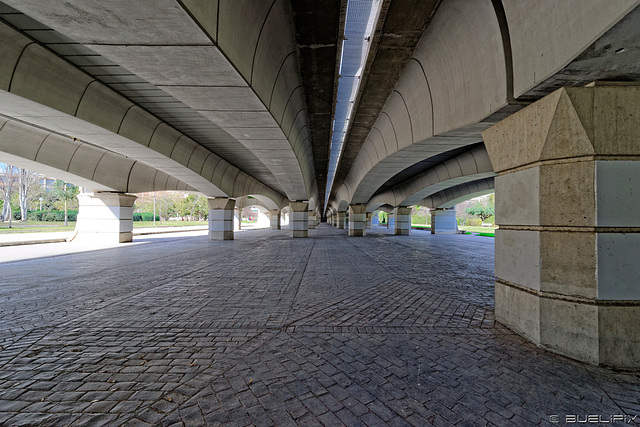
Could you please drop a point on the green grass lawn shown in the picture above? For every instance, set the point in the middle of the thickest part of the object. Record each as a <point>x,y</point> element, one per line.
<point>479,231</point>
<point>35,227</point>
<point>421,226</point>
<point>50,226</point>
<point>149,224</point>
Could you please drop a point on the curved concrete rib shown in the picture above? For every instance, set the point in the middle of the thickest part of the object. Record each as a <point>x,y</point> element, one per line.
<point>238,68</point>
<point>469,166</point>
<point>48,92</point>
<point>78,162</point>
<point>455,80</point>
<point>258,200</point>
<point>457,83</point>
<point>452,196</point>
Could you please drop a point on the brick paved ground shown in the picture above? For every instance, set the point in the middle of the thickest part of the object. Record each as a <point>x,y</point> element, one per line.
<point>267,330</point>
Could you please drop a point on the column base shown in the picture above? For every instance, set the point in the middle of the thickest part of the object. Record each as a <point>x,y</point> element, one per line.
<point>299,233</point>
<point>299,219</point>
<point>105,218</point>
<point>443,221</point>
<point>601,332</point>
<point>221,218</point>
<point>221,235</point>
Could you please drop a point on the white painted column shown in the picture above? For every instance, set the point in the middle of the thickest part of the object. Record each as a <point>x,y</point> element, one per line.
<point>342,219</point>
<point>299,219</point>
<point>402,221</point>
<point>443,221</point>
<point>237,219</point>
<point>357,220</point>
<point>221,218</point>
<point>105,217</point>
<point>275,219</point>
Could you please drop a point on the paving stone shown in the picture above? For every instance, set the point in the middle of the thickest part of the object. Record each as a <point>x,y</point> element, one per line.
<point>329,330</point>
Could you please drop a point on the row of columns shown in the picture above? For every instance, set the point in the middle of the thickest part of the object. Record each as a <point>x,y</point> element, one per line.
<point>443,221</point>
<point>108,217</point>
<point>567,270</point>
<point>221,209</point>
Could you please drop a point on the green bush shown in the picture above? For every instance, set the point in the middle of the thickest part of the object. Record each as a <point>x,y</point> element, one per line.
<point>144,216</point>
<point>72,215</point>
<point>418,219</point>
<point>474,222</point>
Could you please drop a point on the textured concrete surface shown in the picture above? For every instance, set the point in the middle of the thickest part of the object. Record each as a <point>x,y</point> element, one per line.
<point>268,330</point>
<point>568,233</point>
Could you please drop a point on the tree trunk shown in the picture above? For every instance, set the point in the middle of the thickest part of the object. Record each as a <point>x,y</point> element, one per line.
<point>6,210</point>
<point>65,213</point>
<point>23,193</point>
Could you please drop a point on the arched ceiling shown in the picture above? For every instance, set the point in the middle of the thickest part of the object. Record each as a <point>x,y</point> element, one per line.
<point>474,65</point>
<point>235,97</point>
<point>226,74</point>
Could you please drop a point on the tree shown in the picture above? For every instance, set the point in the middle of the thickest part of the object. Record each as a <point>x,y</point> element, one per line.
<point>27,190</point>
<point>7,185</point>
<point>483,210</point>
<point>66,192</point>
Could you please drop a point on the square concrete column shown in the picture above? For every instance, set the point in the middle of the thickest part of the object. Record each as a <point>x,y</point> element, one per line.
<point>312,220</point>
<point>567,250</point>
<point>342,220</point>
<point>274,218</point>
<point>299,219</point>
<point>403,221</point>
<point>357,220</point>
<point>443,221</point>
<point>369,219</point>
<point>334,220</point>
<point>237,219</point>
<point>221,218</point>
<point>105,217</point>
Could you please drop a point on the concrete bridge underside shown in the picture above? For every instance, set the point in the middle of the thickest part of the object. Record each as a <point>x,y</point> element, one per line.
<point>235,100</point>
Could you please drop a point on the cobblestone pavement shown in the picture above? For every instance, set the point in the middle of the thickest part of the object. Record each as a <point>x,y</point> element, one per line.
<point>268,330</point>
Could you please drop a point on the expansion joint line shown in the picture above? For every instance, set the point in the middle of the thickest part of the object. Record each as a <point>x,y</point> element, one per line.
<point>297,286</point>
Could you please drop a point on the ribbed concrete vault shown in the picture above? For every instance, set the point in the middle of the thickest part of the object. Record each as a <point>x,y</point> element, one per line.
<point>236,99</point>
<point>233,98</point>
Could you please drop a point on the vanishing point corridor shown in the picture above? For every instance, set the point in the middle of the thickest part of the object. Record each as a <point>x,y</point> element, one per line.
<point>269,330</point>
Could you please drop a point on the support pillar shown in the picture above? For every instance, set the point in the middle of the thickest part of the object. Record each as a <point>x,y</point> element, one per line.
<point>567,270</point>
<point>312,220</point>
<point>274,218</point>
<point>443,221</point>
<point>299,219</point>
<point>357,220</point>
<point>237,219</point>
<point>369,219</point>
<point>334,221</point>
<point>221,218</point>
<point>342,219</point>
<point>402,221</point>
<point>105,217</point>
